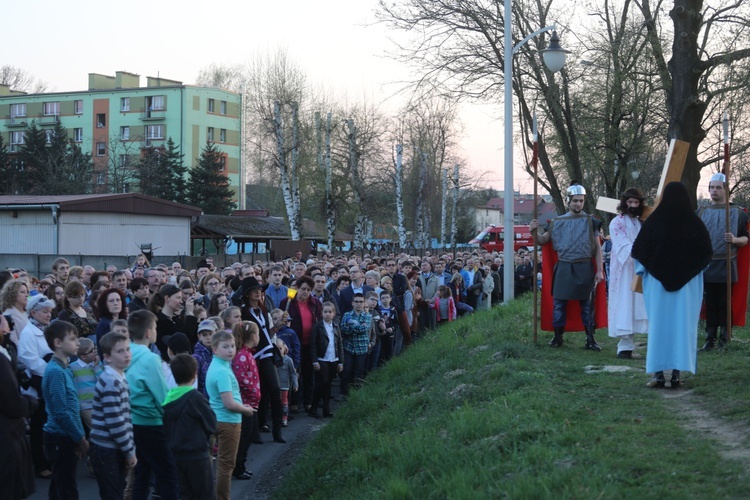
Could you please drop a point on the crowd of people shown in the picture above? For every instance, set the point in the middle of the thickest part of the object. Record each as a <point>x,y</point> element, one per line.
<point>152,371</point>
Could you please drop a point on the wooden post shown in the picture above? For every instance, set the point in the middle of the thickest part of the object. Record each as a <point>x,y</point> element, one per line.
<point>535,162</point>
<point>728,229</point>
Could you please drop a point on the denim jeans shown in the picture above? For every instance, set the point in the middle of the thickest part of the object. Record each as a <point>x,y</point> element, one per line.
<point>109,467</point>
<point>373,357</point>
<point>61,453</point>
<point>153,456</point>
<point>354,370</point>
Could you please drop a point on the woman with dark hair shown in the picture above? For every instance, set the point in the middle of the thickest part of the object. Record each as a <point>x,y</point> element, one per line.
<point>218,303</point>
<point>169,319</point>
<point>671,251</point>
<point>110,306</point>
<point>304,311</point>
<point>209,286</point>
<point>254,310</point>
<point>74,312</point>
<point>56,292</point>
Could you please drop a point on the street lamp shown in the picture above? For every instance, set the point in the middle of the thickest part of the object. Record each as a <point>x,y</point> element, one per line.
<point>554,59</point>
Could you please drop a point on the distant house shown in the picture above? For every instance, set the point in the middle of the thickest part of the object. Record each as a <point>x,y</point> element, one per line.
<point>523,211</point>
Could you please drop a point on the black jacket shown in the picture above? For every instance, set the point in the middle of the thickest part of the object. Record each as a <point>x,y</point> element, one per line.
<point>189,422</point>
<point>319,342</point>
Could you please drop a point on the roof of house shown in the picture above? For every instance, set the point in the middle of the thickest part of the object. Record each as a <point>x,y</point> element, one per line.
<point>130,203</point>
<point>255,228</point>
<point>520,205</point>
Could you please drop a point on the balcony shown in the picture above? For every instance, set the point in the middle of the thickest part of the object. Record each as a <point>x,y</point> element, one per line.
<point>153,115</point>
<point>17,122</point>
<point>49,119</point>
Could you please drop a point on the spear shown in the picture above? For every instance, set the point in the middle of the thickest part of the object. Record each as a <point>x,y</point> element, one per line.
<point>535,162</point>
<point>725,124</point>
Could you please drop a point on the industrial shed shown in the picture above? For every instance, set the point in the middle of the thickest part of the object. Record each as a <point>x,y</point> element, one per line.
<point>94,224</point>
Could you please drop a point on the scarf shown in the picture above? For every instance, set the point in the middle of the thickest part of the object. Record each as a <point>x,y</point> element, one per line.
<point>673,244</point>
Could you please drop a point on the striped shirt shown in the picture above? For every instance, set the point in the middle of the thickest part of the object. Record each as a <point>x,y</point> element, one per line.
<point>61,400</point>
<point>85,375</point>
<point>111,426</point>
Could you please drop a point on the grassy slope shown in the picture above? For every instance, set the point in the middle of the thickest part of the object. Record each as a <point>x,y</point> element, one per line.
<point>476,410</point>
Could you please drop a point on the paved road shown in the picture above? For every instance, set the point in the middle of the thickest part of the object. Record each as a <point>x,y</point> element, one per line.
<point>267,462</point>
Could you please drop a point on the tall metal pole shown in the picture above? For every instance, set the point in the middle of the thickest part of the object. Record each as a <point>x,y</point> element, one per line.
<point>728,228</point>
<point>509,229</point>
<point>535,162</point>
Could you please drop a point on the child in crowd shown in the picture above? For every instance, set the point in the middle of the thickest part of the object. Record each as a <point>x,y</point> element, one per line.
<point>444,305</point>
<point>230,316</point>
<point>388,314</point>
<point>289,337</point>
<point>327,359</point>
<point>86,370</point>
<point>112,449</point>
<point>219,322</point>
<point>119,326</point>
<point>64,438</point>
<point>177,343</point>
<point>246,335</point>
<point>355,335</point>
<point>287,379</point>
<point>203,353</point>
<point>148,389</point>
<point>189,424</point>
<point>224,397</point>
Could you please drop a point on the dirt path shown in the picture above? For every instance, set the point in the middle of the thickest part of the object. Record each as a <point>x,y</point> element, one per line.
<point>732,437</point>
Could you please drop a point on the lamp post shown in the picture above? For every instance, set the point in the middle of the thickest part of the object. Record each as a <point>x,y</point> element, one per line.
<point>554,59</point>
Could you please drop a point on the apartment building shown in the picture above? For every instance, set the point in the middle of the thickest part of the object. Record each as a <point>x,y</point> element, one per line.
<point>117,119</point>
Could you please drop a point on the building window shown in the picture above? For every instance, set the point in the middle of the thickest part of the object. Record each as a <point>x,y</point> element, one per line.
<point>210,105</point>
<point>78,135</point>
<point>100,178</point>
<point>101,120</point>
<point>223,135</point>
<point>48,136</point>
<point>17,140</point>
<point>78,107</point>
<point>155,132</point>
<point>125,104</point>
<point>155,103</point>
<point>101,148</point>
<point>124,133</point>
<point>222,163</point>
<point>223,107</point>
<point>210,134</point>
<point>17,110</point>
<point>124,161</point>
<point>51,109</point>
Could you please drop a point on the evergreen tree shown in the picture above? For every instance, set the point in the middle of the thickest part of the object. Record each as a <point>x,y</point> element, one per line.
<point>51,164</point>
<point>171,161</point>
<point>6,173</point>
<point>208,188</point>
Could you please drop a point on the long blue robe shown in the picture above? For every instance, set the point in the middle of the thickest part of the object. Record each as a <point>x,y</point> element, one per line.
<point>672,323</point>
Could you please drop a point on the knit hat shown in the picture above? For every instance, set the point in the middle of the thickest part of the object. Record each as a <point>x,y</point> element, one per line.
<point>178,343</point>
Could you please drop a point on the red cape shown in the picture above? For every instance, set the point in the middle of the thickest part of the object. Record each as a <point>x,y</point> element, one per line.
<point>739,289</point>
<point>573,318</point>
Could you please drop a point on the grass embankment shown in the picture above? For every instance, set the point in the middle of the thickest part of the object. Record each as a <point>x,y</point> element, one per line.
<point>476,410</point>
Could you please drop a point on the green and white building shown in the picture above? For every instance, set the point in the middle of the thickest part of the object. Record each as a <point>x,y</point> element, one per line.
<point>116,120</point>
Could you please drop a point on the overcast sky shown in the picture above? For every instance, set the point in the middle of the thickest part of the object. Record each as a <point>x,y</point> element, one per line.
<point>334,41</point>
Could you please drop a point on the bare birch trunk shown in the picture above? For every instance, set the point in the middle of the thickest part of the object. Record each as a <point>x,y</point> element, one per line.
<point>454,216</point>
<point>330,208</point>
<point>359,228</point>
<point>421,213</point>
<point>400,196</point>
<point>295,170</point>
<point>443,208</point>
<point>286,187</point>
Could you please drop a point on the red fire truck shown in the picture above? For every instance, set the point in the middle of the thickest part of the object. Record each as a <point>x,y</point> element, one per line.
<point>493,238</point>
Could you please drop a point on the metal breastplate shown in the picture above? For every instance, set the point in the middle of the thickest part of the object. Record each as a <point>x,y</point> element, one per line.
<point>571,237</point>
<point>714,218</point>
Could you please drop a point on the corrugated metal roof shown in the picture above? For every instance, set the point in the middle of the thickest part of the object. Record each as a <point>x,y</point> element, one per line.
<point>131,203</point>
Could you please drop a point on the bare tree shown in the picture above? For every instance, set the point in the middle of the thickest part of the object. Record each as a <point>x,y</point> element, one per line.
<point>21,80</point>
